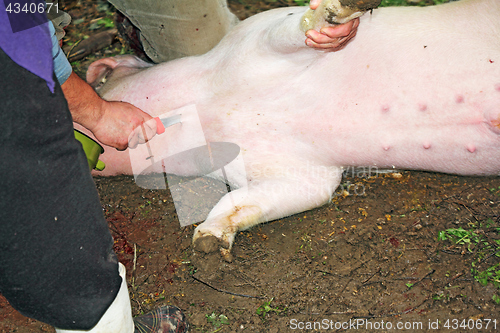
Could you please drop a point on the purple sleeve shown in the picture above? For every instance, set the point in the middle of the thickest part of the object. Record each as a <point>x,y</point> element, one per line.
<point>30,48</point>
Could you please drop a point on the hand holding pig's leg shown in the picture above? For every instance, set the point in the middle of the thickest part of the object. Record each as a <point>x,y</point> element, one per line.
<point>332,37</point>
<point>323,12</point>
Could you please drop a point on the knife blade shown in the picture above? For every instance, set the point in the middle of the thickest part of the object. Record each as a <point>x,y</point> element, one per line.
<point>163,123</point>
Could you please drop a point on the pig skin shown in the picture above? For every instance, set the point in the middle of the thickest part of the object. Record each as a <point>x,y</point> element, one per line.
<point>417,88</point>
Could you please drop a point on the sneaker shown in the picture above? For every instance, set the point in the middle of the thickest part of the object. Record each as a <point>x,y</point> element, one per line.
<point>166,319</point>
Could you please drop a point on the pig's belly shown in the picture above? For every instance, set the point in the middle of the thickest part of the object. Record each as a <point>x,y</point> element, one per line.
<point>461,147</point>
<point>429,119</point>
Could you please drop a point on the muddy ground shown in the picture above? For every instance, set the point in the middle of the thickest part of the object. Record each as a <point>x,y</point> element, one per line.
<point>372,255</point>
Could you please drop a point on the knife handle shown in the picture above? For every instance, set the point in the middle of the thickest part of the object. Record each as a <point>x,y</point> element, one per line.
<point>160,129</point>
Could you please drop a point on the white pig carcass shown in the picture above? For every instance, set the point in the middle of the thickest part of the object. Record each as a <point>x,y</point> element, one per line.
<point>417,88</point>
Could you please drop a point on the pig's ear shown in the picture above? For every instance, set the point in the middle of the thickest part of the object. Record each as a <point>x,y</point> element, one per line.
<point>99,69</point>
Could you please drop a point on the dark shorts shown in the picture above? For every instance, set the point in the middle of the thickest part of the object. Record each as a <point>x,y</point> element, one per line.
<point>56,259</point>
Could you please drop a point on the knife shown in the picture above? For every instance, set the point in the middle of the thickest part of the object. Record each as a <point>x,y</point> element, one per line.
<point>163,123</point>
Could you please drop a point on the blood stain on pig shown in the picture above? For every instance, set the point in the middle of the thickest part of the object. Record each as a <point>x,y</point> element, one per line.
<point>385,108</point>
<point>497,87</point>
<point>459,99</point>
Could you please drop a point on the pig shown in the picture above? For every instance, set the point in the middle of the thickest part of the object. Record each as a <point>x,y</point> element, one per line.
<point>417,88</point>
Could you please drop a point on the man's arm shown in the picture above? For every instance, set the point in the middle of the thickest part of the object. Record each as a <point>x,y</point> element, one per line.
<point>116,124</point>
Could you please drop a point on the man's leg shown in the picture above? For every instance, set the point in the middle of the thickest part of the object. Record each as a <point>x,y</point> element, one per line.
<point>173,29</point>
<point>56,259</point>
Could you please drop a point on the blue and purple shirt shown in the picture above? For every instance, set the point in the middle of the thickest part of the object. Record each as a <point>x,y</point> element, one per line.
<point>30,41</point>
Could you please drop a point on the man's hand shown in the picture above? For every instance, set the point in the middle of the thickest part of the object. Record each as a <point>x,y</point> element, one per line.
<point>116,124</point>
<point>333,37</point>
<point>123,125</point>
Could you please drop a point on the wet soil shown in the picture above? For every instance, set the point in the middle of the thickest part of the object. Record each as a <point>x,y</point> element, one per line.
<point>371,257</point>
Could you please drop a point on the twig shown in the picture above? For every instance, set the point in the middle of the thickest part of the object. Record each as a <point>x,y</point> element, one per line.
<point>225,291</point>
<point>370,277</point>
<point>72,47</point>
<point>491,255</point>
<point>135,265</point>
<point>410,278</point>
<point>217,330</point>
<point>414,284</point>
<point>345,287</point>
<point>456,276</point>
<point>139,304</point>
<point>329,273</point>
<point>253,258</point>
<point>467,208</point>
<point>244,277</point>
<point>327,313</point>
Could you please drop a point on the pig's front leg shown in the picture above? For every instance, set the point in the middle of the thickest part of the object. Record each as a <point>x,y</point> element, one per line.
<point>263,201</point>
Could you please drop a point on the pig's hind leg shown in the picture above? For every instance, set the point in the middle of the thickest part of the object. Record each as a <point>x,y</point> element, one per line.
<point>336,12</point>
<point>263,201</point>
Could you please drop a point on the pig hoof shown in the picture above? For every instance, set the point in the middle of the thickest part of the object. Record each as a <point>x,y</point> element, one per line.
<point>210,244</point>
<point>361,4</point>
<point>226,254</point>
<point>207,244</point>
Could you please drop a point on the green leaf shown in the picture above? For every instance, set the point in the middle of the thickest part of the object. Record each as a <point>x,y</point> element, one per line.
<point>223,320</point>
<point>442,236</point>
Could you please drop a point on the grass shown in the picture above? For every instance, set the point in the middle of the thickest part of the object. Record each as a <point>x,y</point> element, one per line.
<point>481,241</point>
<point>217,320</point>
<point>266,308</point>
